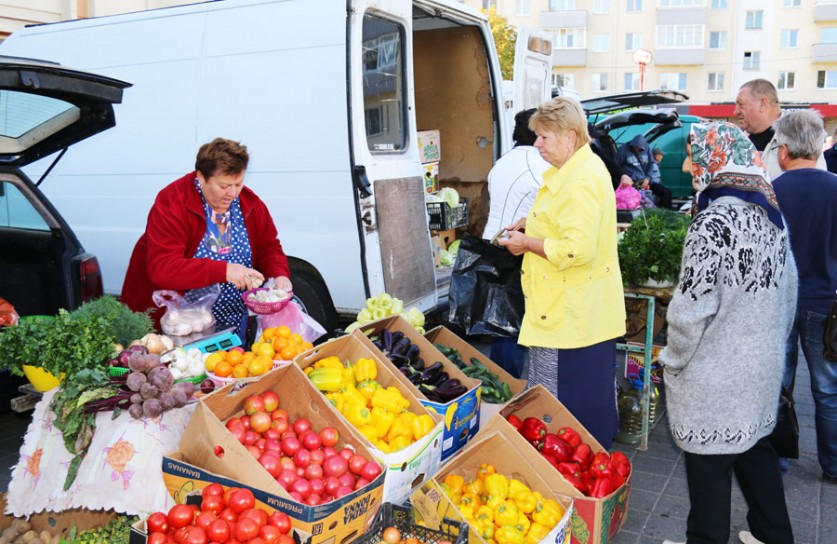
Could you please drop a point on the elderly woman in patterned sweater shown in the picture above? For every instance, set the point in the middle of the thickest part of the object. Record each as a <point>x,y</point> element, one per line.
<point>727,324</point>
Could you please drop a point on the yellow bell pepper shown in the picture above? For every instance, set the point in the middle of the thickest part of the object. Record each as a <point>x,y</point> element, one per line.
<point>369,432</point>
<point>400,427</point>
<point>536,533</point>
<point>422,425</point>
<point>506,514</point>
<point>455,482</point>
<point>399,443</point>
<point>329,362</point>
<point>508,534</point>
<point>454,496</point>
<point>523,522</point>
<point>326,378</point>
<point>476,487</point>
<point>383,446</point>
<point>485,511</point>
<point>470,498</point>
<point>522,496</point>
<point>358,415</point>
<point>484,527</point>
<point>485,470</point>
<point>391,399</point>
<point>365,369</point>
<point>352,396</point>
<point>336,400</point>
<point>467,511</point>
<point>548,512</point>
<point>381,421</point>
<point>368,387</point>
<point>348,375</point>
<point>307,370</point>
<point>496,485</point>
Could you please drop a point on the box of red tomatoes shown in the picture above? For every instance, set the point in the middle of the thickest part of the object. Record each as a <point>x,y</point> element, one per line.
<point>279,438</point>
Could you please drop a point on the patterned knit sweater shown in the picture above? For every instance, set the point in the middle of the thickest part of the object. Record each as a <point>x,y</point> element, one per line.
<point>727,324</point>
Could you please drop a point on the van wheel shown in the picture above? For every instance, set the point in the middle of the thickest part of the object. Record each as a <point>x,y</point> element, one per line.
<point>314,299</point>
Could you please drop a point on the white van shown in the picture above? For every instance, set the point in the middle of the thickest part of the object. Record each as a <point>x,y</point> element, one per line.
<point>328,97</point>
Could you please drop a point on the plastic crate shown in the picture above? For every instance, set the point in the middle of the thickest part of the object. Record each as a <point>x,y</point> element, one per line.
<point>443,217</point>
<point>392,515</point>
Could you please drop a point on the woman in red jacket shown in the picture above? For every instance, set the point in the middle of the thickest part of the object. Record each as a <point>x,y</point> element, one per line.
<point>207,228</point>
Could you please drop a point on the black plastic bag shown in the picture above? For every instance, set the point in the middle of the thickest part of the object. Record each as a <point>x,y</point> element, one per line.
<point>485,292</point>
<point>785,435</point>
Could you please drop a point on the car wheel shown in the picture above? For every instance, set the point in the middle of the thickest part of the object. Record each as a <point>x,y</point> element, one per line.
<point>313,296</point>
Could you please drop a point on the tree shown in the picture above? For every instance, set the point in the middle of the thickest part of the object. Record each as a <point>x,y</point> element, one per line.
<point>505,36</point>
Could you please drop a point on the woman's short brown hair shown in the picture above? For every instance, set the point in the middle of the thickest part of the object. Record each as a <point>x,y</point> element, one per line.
<point>221,156</point>
<point>562,114</point>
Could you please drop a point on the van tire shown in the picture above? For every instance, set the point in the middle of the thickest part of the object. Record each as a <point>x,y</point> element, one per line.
<point>315,299</point>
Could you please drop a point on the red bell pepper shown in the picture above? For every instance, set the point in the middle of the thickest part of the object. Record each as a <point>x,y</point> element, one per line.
<point>577,482</point>
<point>600,464</point>
<point>602,487</point>
<point>620,464</point>
<point>570,436</point>
<point>533,430</point>
<point>556,447</point>
<point>515,422</point>
<point>550,458</point>
<point>569,468</point>
<point>582,455</point>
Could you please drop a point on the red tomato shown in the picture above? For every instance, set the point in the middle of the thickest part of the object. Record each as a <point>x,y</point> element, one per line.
<point>195,535</point>
<point>240,500</point>
<point>228,515</point>
<point>213,489</point>
<point>270,534</point>
<point>219,531</point>
<point>281,521</point>
<point>356,464</point>
<point>290,445</point>
<point>346,453</point>
<point>285,539</point>
<point>205,519</point>
<point>157,523</point>
<point>311,440</point>
<point>157,538</point>
<point>335,466</point>
<point>271,463</point>
<point>302,457</point>
<point>370,470</point>
<point>245,529</point>
<point>301,426</point>
<point>329,436</point>
<point>180,516</point>
<point>212,503</point>
<point>257,514</point>
<point>280,424</point>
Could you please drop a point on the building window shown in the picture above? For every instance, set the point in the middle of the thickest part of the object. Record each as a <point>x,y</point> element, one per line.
<point>599,82</point>
<point>566,81</point>
<point>786,81</point>
<point>601,6</point>
<point>634,5</point>
<point>521,8</point>
<point>680,36</point>
<point>828,35</point>
<point>827,79</point>
<point>793,3</point>
<point>718,40</point>
<point>601,43</point>
<point>790,39</point>
<point>752,60</point>
<point>720,4</point>
<point>569,38</point>
<point>754,20</point>
<point>681,3</point>
<point>631,81</point>
<point>633,40</point>
<point>673,81</point>
<point>716,81</point>
<point>561,5</point>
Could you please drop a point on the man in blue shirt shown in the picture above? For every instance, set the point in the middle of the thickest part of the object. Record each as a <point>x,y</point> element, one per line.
<point>808,199</point>
<point>637,161</point>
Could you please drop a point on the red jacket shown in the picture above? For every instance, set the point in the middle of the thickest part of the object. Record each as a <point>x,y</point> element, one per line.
<point>162,258</point>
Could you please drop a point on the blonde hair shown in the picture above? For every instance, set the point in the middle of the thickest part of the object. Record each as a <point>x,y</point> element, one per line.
<point>562,114</point>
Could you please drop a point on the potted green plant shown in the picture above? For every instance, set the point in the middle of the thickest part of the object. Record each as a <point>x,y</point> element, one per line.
<point>651,249</point>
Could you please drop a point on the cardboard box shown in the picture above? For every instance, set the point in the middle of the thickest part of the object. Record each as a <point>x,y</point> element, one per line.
<point>403,469</point>
<point>444,336</point>
<point>595,521</point>
<point>636,321</point>
<point>60,522</point>
<point>461,415</point>
<point>430,147</point>
<point>510,460</point>
<point>209,453</point>
<point>446,237</point>
<point>431,177</point>
<point>436,244</point>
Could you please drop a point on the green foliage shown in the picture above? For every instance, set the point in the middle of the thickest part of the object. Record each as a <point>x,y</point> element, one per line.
<point>75,342</point>
<point>22,344</point>
<point>125,324</point>
<point>505,36</point>
<point>652,247</point>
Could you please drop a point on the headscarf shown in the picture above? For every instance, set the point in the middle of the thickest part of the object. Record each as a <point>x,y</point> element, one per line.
<point>725,163</point>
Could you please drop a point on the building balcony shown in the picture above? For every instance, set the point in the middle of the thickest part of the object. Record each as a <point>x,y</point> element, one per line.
<point>825,11</point>
<point>681,16</point>
<point>564,19</point>
<point>569,57</point>
<point>666,57</point>
<point>824,52</point>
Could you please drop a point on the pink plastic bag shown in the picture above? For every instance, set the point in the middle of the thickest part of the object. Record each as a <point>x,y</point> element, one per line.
<point>294,318</point>
<point>627,198</point>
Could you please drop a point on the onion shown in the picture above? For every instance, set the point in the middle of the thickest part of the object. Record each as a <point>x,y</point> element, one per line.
<point>153,343</point>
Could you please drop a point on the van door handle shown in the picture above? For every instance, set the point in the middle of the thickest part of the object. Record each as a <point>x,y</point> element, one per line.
<point>361,181</point>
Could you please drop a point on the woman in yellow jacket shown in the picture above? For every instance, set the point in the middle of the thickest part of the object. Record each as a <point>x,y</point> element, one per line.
<point>575,306</point>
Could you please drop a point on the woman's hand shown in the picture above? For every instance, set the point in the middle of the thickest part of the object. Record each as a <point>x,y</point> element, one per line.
<point>626,181</point>
<point>514,241</point>
<point>283,283</point>
<point>519,225</point>
<point>242,277</point>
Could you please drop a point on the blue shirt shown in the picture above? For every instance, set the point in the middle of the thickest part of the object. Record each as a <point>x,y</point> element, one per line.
<point>808,200</point>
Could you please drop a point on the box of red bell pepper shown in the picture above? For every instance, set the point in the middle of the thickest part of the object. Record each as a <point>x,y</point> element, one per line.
<point>438,383</point>
<point>572,461</point>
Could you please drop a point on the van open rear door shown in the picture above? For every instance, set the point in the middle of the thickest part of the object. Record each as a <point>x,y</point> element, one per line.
<point>532,68</point>
<point>388,176</point>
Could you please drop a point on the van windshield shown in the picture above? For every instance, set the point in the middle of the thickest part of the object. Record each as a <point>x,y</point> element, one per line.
<point>383,84</point>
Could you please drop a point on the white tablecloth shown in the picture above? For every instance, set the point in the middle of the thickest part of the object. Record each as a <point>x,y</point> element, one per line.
<point>122,469</point>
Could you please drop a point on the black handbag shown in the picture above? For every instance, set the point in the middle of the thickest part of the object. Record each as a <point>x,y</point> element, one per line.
<point>829,339</point>
<point>785,436</point>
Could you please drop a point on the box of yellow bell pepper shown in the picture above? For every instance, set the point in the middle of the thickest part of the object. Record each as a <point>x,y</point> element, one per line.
<point>445,337</point>
<point>403,435</point>
<point>461,413</point>
<point>491,485</point>
<point>595,520</point>
<point>209,452</point>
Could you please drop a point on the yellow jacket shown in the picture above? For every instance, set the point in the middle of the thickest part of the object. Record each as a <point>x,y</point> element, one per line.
<point>574,297</point>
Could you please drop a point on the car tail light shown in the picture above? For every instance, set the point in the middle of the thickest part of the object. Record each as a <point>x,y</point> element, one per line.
<point>91,279</point>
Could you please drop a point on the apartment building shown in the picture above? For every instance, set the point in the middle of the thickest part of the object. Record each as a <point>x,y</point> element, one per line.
<point>705,48</point>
